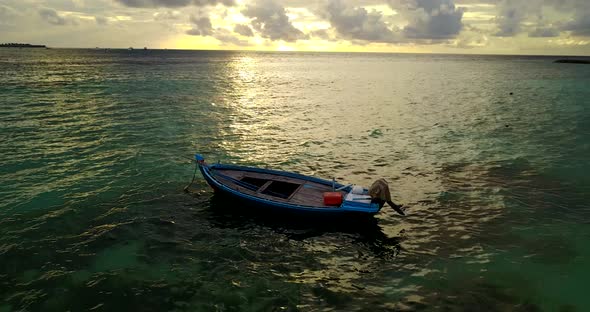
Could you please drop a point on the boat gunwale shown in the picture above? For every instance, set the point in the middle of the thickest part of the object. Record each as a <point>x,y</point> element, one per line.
<point>345,188</point>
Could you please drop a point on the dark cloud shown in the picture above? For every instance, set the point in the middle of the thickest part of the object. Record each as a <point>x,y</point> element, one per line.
<point>357,23</point>
<point>243,30</point>
<point>517,16</point>
<point>51,17</point>
<point>511,15</point>
<point>167,15</point>
<point>322,34</point>
<point>432,19</point>
<point>568,6</point>
<point>172,3</point>
<point>461,2</point>
<point>544,32</point>
<point>580,26</point>
<point>225,36</point>
<point>270,19</point>
<point>578,22</point>
<point>101,20</point>
<point>427,20</point>
<point>201,26</point>
<point>314,3</point>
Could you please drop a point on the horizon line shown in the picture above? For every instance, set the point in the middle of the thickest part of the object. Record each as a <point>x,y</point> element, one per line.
<point>307,51</point>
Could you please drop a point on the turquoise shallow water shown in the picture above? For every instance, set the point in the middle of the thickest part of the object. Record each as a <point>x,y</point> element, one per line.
<point>96,152</point>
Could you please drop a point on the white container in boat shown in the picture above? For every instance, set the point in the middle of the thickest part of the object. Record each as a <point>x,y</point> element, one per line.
<point>358,190</point>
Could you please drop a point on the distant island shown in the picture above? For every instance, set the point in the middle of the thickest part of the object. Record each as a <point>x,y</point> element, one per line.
<point>573,61</point>
<point>21,45</point>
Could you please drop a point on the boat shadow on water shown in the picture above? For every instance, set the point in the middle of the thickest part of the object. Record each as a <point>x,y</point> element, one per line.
<point>363,229</point>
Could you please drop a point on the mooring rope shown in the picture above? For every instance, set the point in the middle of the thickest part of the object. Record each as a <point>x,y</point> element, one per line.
<point>193,180</point>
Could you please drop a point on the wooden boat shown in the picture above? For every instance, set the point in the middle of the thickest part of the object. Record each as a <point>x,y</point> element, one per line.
<point>286,190</point>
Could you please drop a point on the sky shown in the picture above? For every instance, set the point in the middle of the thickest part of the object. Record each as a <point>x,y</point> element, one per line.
<point>548,27</point>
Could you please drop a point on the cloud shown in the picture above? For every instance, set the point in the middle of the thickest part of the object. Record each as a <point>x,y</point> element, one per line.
<point>201,26</point>
<point>243,30</point>
<point>542,26</point>
<point>431,19</point>
<point>471,39</point>
<point>7,12</point>
<point>172,3</point>
<point>357,23</point>
<point>51,17</point>
<point>270,19</point>
<point>8,17</point>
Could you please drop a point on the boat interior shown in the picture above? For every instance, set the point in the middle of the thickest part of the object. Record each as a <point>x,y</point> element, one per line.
<point>274,187</point>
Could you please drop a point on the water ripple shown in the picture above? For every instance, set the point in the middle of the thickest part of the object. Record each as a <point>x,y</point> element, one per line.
<point>94,160</point>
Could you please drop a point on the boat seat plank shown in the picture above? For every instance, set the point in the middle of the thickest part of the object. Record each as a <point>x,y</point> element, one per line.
<point>262,188</point>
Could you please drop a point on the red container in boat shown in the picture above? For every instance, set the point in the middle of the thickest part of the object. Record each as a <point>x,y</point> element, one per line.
<point>332,198</point>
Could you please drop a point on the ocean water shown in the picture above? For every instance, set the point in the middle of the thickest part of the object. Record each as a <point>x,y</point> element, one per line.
<point>488,153</point>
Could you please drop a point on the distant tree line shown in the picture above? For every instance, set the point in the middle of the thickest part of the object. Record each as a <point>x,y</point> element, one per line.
<point>21,45</point>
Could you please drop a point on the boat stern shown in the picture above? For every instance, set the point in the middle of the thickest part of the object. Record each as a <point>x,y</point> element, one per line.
<point>358,200</point>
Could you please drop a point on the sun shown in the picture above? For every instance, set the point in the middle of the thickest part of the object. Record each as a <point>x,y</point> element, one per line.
<point>285,48</point>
